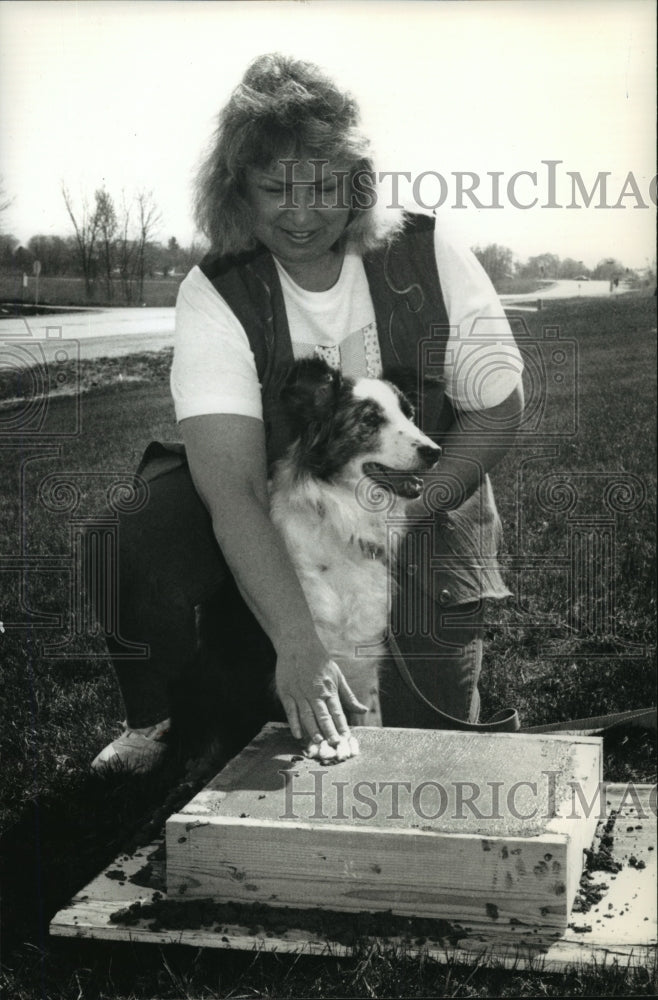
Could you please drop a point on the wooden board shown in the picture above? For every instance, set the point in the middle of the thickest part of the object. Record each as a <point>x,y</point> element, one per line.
<point>620,927</point>
<point>423,823</point>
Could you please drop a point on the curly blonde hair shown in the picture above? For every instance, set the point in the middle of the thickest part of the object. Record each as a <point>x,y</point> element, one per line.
<point>285,107</point>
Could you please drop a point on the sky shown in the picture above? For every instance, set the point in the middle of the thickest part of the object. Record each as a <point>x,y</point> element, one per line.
<point>125,94</point>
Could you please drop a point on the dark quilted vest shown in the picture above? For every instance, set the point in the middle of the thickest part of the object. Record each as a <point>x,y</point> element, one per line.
<point>412,323</point>
<point>413,330</point>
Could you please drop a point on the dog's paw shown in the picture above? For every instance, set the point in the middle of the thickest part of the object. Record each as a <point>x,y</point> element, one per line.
<point>325,753</point>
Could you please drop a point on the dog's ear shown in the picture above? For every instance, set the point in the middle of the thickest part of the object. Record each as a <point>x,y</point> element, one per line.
<point>310,391</point>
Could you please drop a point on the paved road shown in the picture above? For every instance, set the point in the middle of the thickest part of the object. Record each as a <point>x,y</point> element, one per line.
<point>105,333</point>
<point>114,332</point>
<point>566,289</point>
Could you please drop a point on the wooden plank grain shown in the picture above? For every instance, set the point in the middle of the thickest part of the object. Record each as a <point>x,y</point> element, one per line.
<point>622,924</point>
<point>424,822</point>
<point>415,873</point>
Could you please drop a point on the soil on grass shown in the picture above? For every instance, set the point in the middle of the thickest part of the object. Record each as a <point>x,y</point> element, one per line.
<point>84,375</point>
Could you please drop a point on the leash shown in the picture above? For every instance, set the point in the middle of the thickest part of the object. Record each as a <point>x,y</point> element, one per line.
<point>596,725</point>
<point>505,721</point>
<point>159,459</point>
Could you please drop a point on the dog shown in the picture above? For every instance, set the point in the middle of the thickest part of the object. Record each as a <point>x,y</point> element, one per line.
<point>348,437</point>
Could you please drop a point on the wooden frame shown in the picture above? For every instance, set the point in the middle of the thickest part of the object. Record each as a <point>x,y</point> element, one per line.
<point>619,928</point>
<point>279,829</point>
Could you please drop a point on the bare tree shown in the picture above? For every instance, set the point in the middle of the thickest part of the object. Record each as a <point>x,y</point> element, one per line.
<point>86,232</point>
<point>544,265</point>
<point>132,251</point>
<point>608,269</point>
<point>5,202</point>
<point>192,254</point>
<point>57,255</point>
<point>107,229</point>
<point>497,261</point>
<point>149,218</point>
<point>571,268</point>
<point>8,245</point>
<point>172,256</point>
<point>125,251</point>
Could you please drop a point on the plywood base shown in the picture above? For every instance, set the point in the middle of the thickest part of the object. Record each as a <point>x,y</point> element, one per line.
<point>620,927</point>
<point>435,824</point>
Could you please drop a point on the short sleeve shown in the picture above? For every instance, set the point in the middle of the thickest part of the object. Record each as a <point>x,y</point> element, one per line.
<point>483,364</point>
<point>213,369</point>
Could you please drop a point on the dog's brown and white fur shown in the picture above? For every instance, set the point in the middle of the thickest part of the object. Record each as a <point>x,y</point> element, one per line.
<point>344,431</point>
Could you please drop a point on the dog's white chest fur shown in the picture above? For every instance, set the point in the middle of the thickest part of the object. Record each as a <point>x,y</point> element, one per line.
<point>345,434</point>
<point>342,555</point>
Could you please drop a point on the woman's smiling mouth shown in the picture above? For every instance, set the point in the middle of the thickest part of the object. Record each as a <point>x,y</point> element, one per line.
<point>300,236</point>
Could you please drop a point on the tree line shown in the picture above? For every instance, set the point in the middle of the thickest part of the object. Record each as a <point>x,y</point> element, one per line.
<point>113,247</point>
<point>501,265</point>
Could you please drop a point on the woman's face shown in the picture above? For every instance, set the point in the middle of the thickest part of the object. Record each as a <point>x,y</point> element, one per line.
<point>299,209</point>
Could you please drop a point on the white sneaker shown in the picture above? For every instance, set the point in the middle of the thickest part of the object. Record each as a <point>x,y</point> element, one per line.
<point>139,750</point>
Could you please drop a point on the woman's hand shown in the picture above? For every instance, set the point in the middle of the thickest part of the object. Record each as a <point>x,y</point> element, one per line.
<point>226,455</point>
<point>315,697</point>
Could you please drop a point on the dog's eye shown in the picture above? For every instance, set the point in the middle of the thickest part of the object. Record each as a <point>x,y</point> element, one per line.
<point>370,414</point>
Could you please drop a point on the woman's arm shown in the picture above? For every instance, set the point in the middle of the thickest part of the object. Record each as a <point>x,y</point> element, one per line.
<point>227,460</point>
<point>474,444</point>
<point>483,373</point>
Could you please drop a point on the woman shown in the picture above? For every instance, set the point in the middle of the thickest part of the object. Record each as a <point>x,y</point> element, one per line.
<point>306,259</point>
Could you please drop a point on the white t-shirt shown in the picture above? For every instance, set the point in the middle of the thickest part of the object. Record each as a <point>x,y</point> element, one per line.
<point>214,370</point>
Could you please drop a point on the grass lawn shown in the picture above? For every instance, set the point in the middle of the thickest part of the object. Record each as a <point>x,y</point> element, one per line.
<point>519,286</point>
<point>63,290</point>
<point>558,650</point>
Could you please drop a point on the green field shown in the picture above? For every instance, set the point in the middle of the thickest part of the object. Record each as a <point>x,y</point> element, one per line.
<point>68,291</point>
<point>554,651</point>
<point>64,290</point>
<point>519,286</point>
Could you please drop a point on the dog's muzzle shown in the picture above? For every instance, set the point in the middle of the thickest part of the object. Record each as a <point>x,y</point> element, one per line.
<point>403,482</point>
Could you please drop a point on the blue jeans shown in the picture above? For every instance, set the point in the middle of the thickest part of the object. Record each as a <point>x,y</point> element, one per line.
<point>176,594</point>
<point>444,666</point>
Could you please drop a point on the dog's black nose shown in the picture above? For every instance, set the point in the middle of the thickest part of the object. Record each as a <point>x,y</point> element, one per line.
<point>429,453</point>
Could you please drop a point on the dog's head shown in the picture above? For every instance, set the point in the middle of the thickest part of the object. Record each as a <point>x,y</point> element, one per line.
<point>345,429</point>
